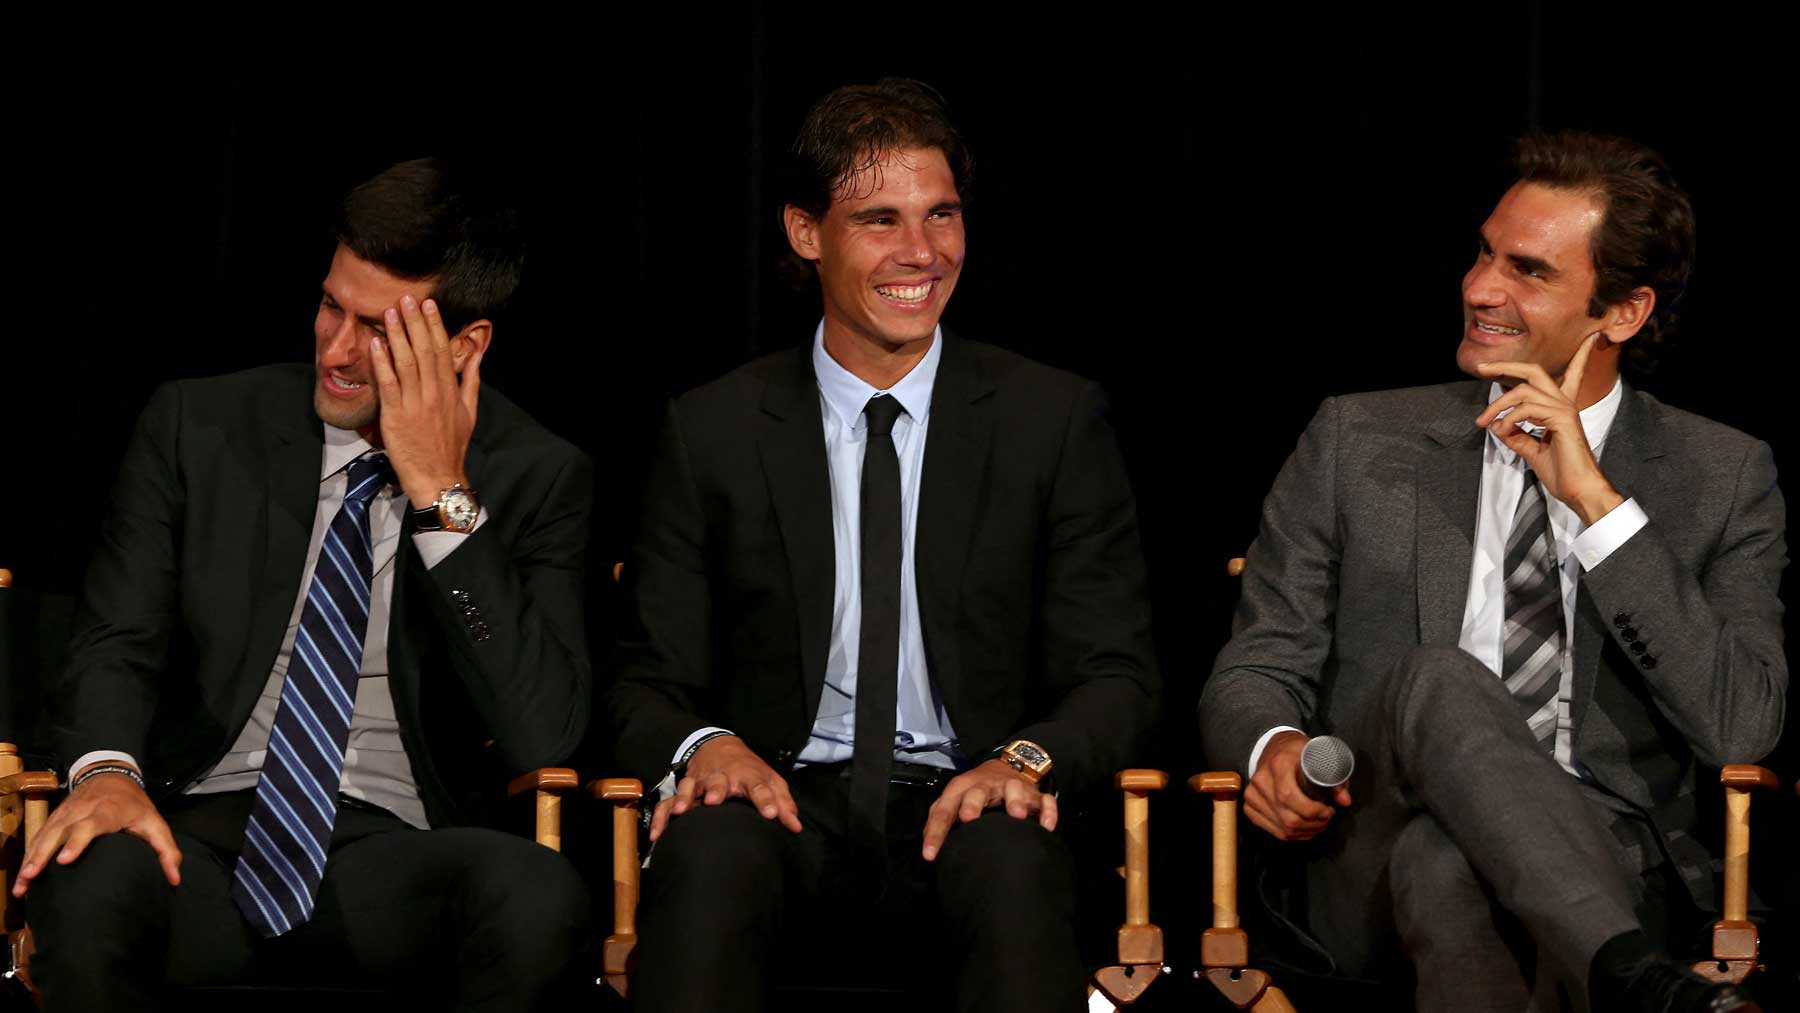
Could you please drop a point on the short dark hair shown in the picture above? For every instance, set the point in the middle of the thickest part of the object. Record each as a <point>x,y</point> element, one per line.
<point>1646,230</point>
<point>857,126</point>
<point>425,218</point>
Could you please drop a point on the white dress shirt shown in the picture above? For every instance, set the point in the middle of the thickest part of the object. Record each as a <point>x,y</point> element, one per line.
<point>922,727</point>
<point>376,768</point>
<point>1578,548</point>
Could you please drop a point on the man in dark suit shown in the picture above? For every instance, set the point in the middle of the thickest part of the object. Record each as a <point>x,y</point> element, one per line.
<point>890,601</point>
<point>1539,604</point>
<point>321,593</point>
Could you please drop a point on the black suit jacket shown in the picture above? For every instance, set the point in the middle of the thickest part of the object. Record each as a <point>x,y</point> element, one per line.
<point>193,582</point>
<point>1030,577</point>
<point>1365,550</point>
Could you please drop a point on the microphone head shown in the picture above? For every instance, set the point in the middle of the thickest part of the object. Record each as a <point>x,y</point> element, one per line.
<point>1327,761</point>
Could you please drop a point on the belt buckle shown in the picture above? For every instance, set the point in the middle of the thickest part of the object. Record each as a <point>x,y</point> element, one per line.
<point>917,775</point>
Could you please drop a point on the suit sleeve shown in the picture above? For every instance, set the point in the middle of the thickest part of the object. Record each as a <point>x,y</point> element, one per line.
<point>1719,672</point>
<point>1095,622</point>
<point>1268,674</point>
<point>104,697</point>
<point>664,659</point>
<point>522,656</point>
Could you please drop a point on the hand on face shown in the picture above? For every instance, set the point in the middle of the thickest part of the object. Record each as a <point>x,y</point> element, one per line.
<point>973,792</point>
<point>1561,459</point>
<point>427,413</point>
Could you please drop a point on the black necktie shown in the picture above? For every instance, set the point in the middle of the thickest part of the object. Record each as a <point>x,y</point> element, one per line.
<point>878,656</point>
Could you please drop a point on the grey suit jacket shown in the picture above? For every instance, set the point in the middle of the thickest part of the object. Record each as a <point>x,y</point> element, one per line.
<point>1364,553</point>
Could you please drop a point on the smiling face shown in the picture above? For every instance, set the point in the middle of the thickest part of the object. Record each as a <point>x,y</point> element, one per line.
<point>888,250</point>
<point>355,295</point>
<point>1526,298</point>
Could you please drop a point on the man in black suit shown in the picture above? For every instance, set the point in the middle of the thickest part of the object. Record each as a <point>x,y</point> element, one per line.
<point>322,592</point>
<point>1540,604</point>
<point>890,602</point>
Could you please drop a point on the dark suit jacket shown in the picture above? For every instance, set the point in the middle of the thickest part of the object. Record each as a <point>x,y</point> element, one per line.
<point>1030,578</point>
<point>192,585</point>
<point>1365,549</point>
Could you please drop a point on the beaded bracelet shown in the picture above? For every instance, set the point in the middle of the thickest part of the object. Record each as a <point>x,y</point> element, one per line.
<point>681,765</point>
<point>107,768</point>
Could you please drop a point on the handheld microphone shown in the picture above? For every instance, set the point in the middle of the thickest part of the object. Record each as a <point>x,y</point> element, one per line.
<point>1325,763</point>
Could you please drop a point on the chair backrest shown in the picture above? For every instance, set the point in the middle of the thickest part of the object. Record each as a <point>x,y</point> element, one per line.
<point>34,638</point>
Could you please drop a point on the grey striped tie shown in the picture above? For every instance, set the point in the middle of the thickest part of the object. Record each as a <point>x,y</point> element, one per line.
<point>1534,615</point>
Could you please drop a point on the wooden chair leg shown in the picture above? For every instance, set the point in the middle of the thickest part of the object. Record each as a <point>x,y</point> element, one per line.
<point>1735,946</point>
<point>1140,942</point>
<point>1225,948</point>
<point>626,795</point>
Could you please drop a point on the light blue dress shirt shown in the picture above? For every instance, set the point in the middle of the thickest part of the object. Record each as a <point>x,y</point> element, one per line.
<point>922,728</point>
<point>923,733</point>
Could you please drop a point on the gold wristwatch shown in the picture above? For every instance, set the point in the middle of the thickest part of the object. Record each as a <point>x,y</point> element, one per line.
<point>1028,758</point>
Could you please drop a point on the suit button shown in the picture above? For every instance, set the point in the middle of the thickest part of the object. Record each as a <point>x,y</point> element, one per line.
<point>459,596</point>
<point>1649,660</point>
<point>783,757</point>
<point>480,630</point>
<point>1629,633</point>
<point>1637,647</point>
<point>1622,620</point>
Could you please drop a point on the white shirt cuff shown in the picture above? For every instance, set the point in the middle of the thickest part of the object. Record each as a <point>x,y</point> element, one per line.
<point>1608,533</point>
<point>101,756</point>
<point>665,788</point>
<point>435,546</point>
<point>1256,754</point>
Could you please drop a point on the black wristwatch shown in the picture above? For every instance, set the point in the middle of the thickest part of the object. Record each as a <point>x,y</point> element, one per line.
<point>455,510</point>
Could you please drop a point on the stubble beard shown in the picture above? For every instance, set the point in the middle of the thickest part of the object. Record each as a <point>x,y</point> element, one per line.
<point>354,417</point>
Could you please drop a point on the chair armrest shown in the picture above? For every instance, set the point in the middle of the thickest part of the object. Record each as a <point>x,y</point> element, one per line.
<point>30,783</point>
<point>1745,775</point>
<point>1140,941</point>
<point>1224,945</point>
<point>1735,942</point>
<point>543,779</point>
<point>24,806</point>
<point>548,782</point>
<point>616,957</point>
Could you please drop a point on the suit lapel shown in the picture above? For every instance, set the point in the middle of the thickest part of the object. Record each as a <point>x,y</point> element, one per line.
<point>792,449</point>
<point>956,455</point>
<point>1449,484</point>
<point>293,442</point>
<point>1630,443</point>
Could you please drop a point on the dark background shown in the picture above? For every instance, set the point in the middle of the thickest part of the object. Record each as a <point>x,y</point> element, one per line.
<point>1222,217</point>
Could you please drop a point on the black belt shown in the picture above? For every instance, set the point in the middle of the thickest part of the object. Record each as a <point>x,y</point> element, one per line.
<point>910,775</point>
<point>352,802</point>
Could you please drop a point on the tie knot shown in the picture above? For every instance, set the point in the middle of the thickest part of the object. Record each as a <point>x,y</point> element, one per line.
<point>881,411</point>
<point>367,476</point>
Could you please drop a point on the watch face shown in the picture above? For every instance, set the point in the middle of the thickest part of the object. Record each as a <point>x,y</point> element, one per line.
<point>459,509</point>
<point>1030,754</point>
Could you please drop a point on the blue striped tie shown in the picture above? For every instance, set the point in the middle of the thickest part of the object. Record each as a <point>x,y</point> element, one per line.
<point>283,857</point>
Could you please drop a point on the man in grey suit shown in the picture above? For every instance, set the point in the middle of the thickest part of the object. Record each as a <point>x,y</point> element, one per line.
<point>1538,604</point>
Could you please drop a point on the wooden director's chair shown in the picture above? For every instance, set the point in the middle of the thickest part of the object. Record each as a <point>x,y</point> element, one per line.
<point>1140,943</point>
<point>1736,945</point>
<point>26,799</point>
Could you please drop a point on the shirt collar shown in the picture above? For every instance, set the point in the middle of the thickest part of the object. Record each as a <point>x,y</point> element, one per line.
<point>341,447</point>
<point>846,393</point>
<point>1596,419</point>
